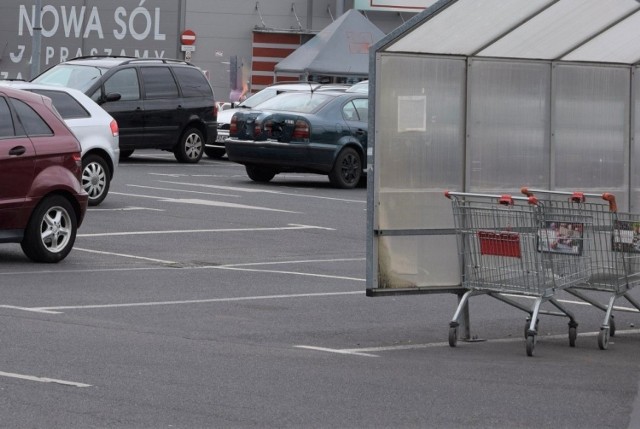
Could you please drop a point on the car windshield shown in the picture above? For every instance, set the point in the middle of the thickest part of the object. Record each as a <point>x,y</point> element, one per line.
<point>73,76</point>
<point>300,102</point>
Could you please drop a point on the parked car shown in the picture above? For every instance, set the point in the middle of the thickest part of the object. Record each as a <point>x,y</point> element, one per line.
<point>216,148</point>
<point>316,132</point>
<point>362,86</point>
<point>96,130</point>
<point>41,201</point>
<point>158,103</point>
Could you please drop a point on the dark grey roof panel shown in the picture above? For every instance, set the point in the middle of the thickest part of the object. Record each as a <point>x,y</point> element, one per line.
<point>342,48</point>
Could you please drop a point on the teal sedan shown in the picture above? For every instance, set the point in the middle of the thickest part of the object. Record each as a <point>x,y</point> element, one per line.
<point>312,132</point>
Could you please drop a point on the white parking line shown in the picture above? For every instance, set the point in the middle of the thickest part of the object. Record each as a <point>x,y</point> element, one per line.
<point>368,351</point>
<point>326,276</point>
<point>192,301</point>
<point>43,379</point>
<point>205,202</point>
<point>100,252</point>
<point>263,191</point>
<point>184,190</point>
<point>291,227</point>
<point>126,209</point>
<point>186,267</point>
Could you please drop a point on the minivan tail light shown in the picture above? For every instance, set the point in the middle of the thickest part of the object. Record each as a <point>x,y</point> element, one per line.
<point>115,131</point>
<point>301,130</point>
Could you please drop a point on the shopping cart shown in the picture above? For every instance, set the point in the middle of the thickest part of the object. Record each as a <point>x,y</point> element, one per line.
<point>613,246</point>
<point>504,253</point>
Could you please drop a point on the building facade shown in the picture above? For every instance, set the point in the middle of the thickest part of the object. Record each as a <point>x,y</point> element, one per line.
<point>236,42</point>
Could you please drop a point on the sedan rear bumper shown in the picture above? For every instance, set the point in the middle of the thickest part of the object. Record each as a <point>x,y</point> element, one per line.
<point>282,156</point>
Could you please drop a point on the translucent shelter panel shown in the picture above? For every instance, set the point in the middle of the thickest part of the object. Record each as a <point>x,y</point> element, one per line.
<point>419,140</point>
<point>508,125</point>
<point>562,27</point>
<point>425,261</point>
<point>635,145</point>
<point>619,44</point>
<point>591,128</point>
<point>466,26</point>
<point>418,154</point>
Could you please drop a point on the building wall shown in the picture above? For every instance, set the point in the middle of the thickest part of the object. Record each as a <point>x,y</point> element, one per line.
<point>151,28</point>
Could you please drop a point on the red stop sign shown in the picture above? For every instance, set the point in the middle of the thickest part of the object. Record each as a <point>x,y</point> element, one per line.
<point>188,37</point>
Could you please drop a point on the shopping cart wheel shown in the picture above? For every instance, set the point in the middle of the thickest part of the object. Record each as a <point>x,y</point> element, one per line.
<point>603,338</point>
<point>612,327</point>
<point>531,344</point>
<point>453,336</point>
<point>526,326</point>
<point>573,335</point>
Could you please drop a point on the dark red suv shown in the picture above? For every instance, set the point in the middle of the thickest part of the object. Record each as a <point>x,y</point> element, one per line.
<point>42,203</point>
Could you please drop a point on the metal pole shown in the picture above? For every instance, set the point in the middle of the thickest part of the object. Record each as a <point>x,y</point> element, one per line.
<point>37,40</point>
<point>339,8</point>
<point>309,14</point>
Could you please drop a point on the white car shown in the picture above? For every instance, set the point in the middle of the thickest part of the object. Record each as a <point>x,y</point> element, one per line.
<point>217,150</point>
<point>96,130</point>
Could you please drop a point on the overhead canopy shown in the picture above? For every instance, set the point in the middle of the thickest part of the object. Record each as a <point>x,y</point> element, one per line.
<point>341,49</point>
<point>605,31</point>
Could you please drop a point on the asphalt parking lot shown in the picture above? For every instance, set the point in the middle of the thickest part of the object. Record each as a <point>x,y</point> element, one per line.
<point>195,298</point>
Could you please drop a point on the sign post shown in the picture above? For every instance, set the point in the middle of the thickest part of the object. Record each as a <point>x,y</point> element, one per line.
<point>187,41</point>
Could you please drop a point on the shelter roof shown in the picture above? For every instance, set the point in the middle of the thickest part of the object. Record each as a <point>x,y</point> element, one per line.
<point>603,31</point>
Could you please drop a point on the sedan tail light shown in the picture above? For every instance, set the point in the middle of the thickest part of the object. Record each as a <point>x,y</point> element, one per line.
<point>268,129</point>
<point>115,131</point>
<point>301,130</point>
<point>233,127</point>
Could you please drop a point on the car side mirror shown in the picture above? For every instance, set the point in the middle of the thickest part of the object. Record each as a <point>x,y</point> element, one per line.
<point>112,96</point>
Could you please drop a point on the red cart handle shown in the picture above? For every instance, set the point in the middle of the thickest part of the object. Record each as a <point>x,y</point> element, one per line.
<point>576,196</point>
<point>504,199</point>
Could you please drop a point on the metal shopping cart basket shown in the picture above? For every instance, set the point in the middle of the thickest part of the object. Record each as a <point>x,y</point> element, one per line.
<point>613,247</point>
<point>505,252</point>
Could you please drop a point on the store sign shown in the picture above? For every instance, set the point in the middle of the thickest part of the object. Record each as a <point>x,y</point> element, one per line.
<point>85,27</point>
<point>394,5</point>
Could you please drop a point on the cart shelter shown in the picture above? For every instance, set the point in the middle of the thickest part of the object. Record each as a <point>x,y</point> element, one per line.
<point>489,96</point>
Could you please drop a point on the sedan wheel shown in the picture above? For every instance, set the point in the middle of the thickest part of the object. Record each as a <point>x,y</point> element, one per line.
<point>95,178</point>
<point>51,231</point>
<point>260,174</point>
<point>191,146</point>
<point>347,170</point>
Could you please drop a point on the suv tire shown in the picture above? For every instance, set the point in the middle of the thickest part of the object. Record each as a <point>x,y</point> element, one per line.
<point>190,147</point>
<point>214,153</point>
<point>51,231</point>
<point>95,178</point>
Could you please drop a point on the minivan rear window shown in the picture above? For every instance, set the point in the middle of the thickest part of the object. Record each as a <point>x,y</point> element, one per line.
<point>192,82</point>
<point>158,82</point>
